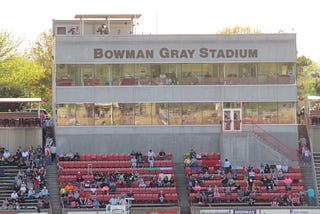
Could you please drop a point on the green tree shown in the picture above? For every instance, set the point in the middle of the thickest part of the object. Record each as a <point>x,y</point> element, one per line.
<point>41,54</point>
<point>308,77</point>
<point>239,30</point>
<point>8,45</point>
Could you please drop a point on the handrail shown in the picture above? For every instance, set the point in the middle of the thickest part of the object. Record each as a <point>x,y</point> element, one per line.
<point>275,143</point>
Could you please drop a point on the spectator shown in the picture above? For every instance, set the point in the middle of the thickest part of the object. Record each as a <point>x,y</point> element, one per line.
<point>227,165</point>
<point>161,197</point>
<point>162,155</point>
<point>53,151</point>
<point>310,194</point>
<point>288,181</point>
<point>151,157</point>
<point>44,192</point>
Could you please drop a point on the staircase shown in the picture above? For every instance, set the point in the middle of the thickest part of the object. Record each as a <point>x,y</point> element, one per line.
<point>7,174</point>
<point>53,188</point>
<point>316,159</point>
<point>179,174</point>
<point>307,169</point>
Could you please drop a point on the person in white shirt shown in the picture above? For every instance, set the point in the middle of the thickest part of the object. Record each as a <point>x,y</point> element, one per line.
<point>6,154</point>
<point>44,192</point>
<point>151,156</point>
<point>14,195</point>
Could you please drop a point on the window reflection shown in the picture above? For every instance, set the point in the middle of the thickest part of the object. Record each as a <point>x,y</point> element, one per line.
<point>84,114</point>
<point>191,113</point>
<point>162,114</point>
<point>174,73</point>
<point>250,112</point>
<point>211,113</point>
<point>174,110</point>
<point>210,74</point>
<point>127,114</point>
<point>109,114</point>
<point>103,113</point>
<point>190,74</point>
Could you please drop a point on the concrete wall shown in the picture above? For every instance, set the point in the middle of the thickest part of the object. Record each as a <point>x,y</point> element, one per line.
<point>314,136</point>
<point>174,139</point>
<point>199,93</point>
<point>12,138</point>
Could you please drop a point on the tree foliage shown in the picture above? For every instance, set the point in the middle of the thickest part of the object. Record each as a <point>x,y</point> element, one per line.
<point>239,30</point>
<point>41,54</point>
<point>20,76</point>
<point>8,45</point>
<point>308,77</point>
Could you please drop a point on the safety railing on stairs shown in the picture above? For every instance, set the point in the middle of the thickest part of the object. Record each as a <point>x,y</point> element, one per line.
<point>273,141</point>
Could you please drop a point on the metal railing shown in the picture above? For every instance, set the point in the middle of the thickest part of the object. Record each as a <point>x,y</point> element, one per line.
<point>271,140</point>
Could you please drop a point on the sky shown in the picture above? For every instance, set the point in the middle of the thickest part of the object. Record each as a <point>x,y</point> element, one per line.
<point>27,19</point>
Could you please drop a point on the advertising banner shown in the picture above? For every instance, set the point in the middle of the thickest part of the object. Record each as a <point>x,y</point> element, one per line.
<point>161,211</point>
<point>272,211</point>
<point>305,211</point>
<point>245,211</point>
<point>215,211</point>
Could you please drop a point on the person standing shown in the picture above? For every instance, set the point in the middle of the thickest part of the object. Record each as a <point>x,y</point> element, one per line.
<point>310,193</point>
<point>53,151</point>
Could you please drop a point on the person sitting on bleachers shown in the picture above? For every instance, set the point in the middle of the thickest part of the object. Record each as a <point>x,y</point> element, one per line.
<point>79,177</point>
<point>161,197</point>
<point>69,187</point>
<point>267,169</point>
<point>141,183</point>
<point>6,155</point>
<point>43,192</point>
<point>285,168</point>
<point>69,156</point>
<point>133,161</point>
<point>280,175</point>
<point>76,157</point>
<point>31,193</point>
<point>162,155</point>
<point>288,181</point>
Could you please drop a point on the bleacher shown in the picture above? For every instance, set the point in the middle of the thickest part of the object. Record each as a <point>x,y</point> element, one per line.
<point>261,195</point>
<point>8,172</point>
<point>90,164</point>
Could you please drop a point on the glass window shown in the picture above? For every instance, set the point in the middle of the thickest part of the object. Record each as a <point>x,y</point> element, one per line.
<point>85,114</point>
<point>190,74</point>
<point>66,115</point>
<point>63,76</point>
<point>210,74</point>
<point>191,113</point>
<point>143,114</point>
<point>286,74</point>
<point>268,73</point>
<point>127,75</point>
<point>88,75</point>
<point>268,113</point>
<point>143,74</point>
<point>127,114</point>
<point>160,76</point>
<point>161,114</point>
<point>287,113</point>
<point>175,113</point>
<point>247,73</point>
<point>250,112</point>
<point>116,74</point>
<point>103,74</point>
<point>211,113</point>
<point>103,114</point>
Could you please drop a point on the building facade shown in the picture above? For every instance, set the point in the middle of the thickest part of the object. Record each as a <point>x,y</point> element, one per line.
<point>116,91</point>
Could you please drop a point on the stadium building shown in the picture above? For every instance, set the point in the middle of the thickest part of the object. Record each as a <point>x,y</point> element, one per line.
<point>117,91</point>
